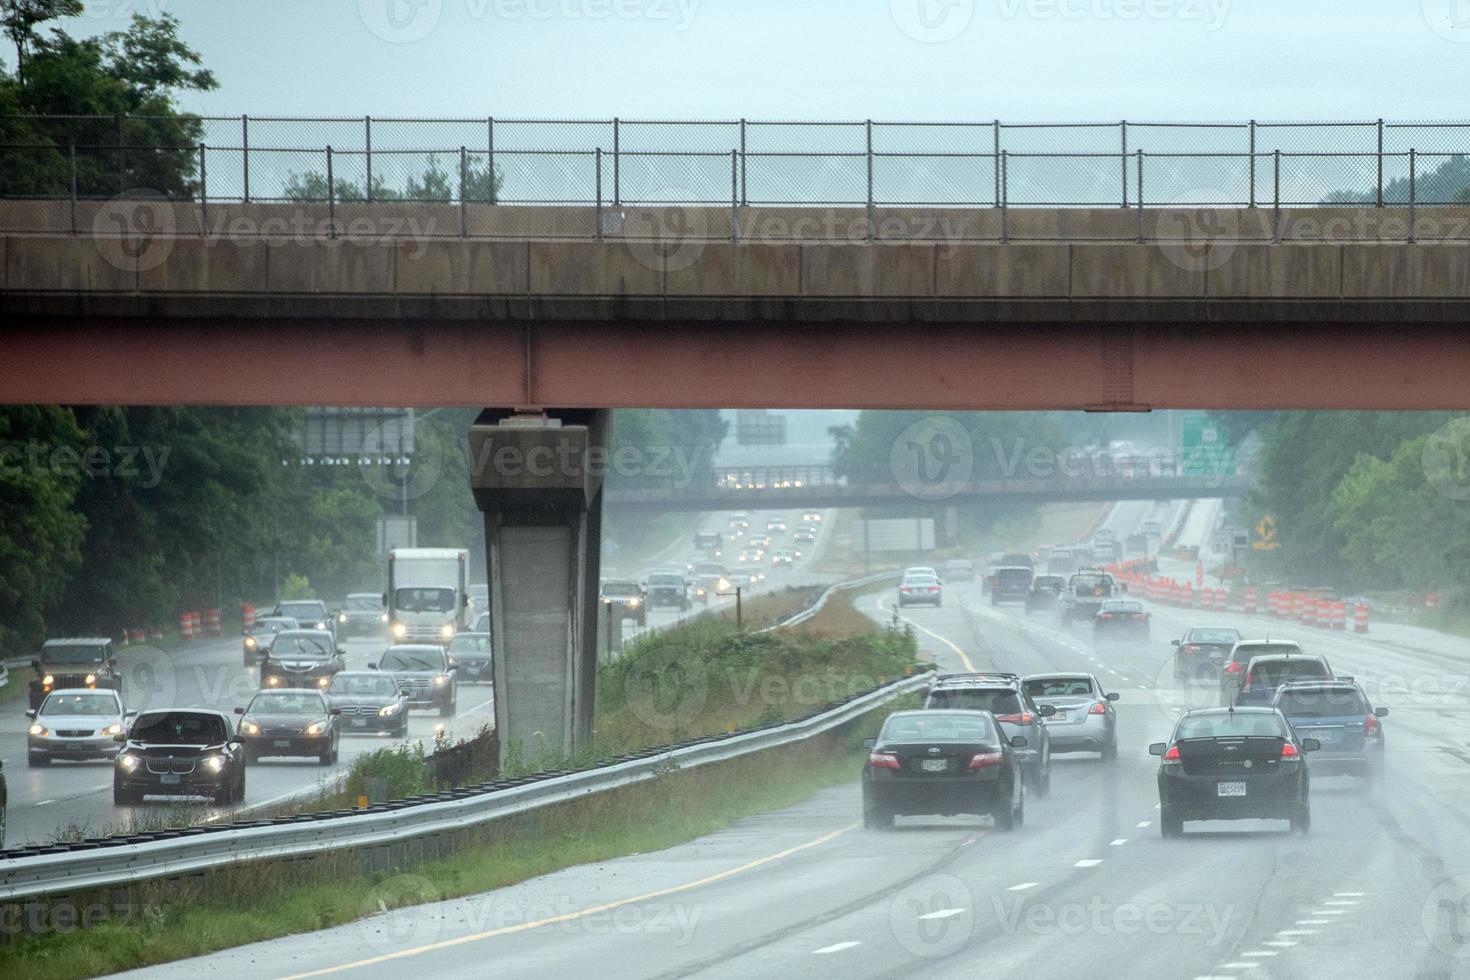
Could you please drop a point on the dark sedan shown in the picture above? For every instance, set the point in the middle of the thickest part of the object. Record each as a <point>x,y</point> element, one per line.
<point>1202,651</point>
<point>942,762</point>
<point>258,637</point>
<point>470,653</point>
<point>301,658</point>
<point>370,702</point>
<point>1120,619</point>
<point>179,752</point>
<point>425,674</point>
<point>363,615</point>
<point>1233,764</point>
<point>289,723</point>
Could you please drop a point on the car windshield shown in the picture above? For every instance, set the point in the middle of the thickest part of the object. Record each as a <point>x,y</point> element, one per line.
<point>1092,584</point>
<point>303,612</point>
<point>1274,672</point>
<point>1245,653</point>
<point>1046,687</point>
<point>666,581</point>
<point>1014,576</point>
<point>1000,701</point>
<point>274,625</point>
<point>286,703</point>
<point>73,653</point>
<point>1123,606</point>
<point>919,727</point>
<point>620,589</point>
<point>1235,724</point>
<point>1212,636</point>
<point>417,658</point>
<point>1321,702</point>
<point>179,728</point>
<point>81,704</point>
<point>420,599</point>
<point>363,685</point>
<point>363,603</point>
<point>707,571</point>
<point>466,644</point>
<point>917,579</point>
<point>313,647</point>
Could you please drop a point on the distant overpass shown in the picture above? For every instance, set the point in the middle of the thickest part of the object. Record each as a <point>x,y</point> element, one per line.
<point>784,488</point>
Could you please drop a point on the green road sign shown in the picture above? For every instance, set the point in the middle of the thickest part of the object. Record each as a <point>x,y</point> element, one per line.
<point>1203,450</point>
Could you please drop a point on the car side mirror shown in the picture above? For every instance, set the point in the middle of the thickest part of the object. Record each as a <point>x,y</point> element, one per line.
<point>1380,712</point>
<point>1173,643</point>
<point>334,712</point>
<point>466,601</point>
<point>1158,748</point>
<point>234,743</point>
<point>1018,742</point>
<point>30,712</point>
<point>239,711</point>
<point>1045,710</point>
<point>869,743</point>
<point>131,714</point>
<point>1111,695</point>
<point>341,651</point>
<point>36,666</point>
<point>120,738</point>
<point>1310,745</point>
<point>372,666</point>
<point>385,599</point>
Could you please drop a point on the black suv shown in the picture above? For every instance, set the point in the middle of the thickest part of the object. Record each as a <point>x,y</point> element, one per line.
<point>74,664</point>
<point>1010,583</point>
<point>1005,697</point>
<point>179,752</point>
<point>312,614</point>
<point>301,658</point>
<point>668,589</point>
<point>1084,595</point>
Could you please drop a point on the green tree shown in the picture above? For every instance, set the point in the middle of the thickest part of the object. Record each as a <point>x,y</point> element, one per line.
<point>21,17</point>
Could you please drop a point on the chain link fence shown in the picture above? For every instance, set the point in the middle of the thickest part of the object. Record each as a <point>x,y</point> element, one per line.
<point>590,169</point>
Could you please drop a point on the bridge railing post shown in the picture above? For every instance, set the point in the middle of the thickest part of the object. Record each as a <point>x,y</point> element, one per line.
<point>464,183</point>
<point>1276,195</point>
<point>597,164</point>
<point>1380,163</point>
<point>872,229</point>
<point>490,156</point>
<point>1413,192</point>
<point>1251,198</point>
<point>995,157</point>
<point>1141,236</point>
<point>734,196</point>
<point>245,154</point>
<point>331,197</point>
<point>1005,193</point>
<point>1123,158</point>
<point>743,198</point>
<point>73,164</point>
<point>367,142</point>
<point>203,193</point>
<point>617,189</point>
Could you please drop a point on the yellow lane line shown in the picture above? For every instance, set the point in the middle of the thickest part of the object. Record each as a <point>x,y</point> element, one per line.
<point>923,629</point>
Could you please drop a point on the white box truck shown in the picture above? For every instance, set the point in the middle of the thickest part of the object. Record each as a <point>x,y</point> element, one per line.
<point>427,596</point>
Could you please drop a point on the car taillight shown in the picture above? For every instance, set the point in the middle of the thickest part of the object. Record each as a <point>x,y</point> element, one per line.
<point>1190,648</point>
<point>883,760</point>
<point>933,588</point>
<point>1288,751</point>
<point>1024,718</point>
<point>1234,667</point>
<point>982,759</point>
<point>1370,725</point>
<point>1100,708</point>
<point>1140,615</point>
<point>1104,615</point>
<point>1171,757</point>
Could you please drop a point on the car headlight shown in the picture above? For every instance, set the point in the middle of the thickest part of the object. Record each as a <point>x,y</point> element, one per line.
<point>446,631</point>
<point>113,729</point>
<point>250,642</point>
<point>389,709</point>
<point>273,681</point>
<point>37,729</point>
<point>382,617</point>
<point>341,617</point>
<point>48,680</point>
<point>635,603</point>
<point>441,680</point>
<point>321,626</point>
<point>215,763</point>
<point>724,584</point>
<point>128,762</point>
<point>91,679</point>
<point>399,631</point>
<point>248,727</point>
<point>316,728</point>
<point>323,681</point>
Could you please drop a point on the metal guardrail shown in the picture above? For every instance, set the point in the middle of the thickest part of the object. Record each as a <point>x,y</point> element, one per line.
<point>62,869</point>
<point>803,615</point>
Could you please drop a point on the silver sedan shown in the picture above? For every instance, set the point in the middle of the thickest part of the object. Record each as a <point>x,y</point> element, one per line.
<point>1085,720</point>
<point>75,724</point>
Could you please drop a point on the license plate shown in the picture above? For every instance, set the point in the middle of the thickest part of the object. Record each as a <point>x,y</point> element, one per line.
<point>169,779</point>
<point>1230,789</point>
<point>1058,716</point>
<point>934,765</point>
<point>1323,735</point>
<point>359,723</point>
<point>282,743</point>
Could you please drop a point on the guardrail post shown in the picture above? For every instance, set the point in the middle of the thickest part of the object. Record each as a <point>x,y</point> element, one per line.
<point>743,198</point>
<point>73,158</point>
<point>871,223</point>
<point>245,153</point>
<point>1141,237</point>
<point>1005,236</point>
<point>597,154</point>
<point>490,156</point>
<point>122,165</point>
<point>331,198</point>
<point>1276,196</point>
<point>1123,158</point>
<point>367,142</point>
<point>1380,163</point>
<point>617,151</point>
<point>464,186</point>
<point>734,197</point>
<point>995,157</point>
<point>203,193</point>
<point>1413,192</point>
<point>1252,197</point>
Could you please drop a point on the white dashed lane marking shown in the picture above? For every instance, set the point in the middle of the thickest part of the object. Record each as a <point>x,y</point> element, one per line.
<point>834,948</point>
<point>1022,886</point>
<point>942,914</point>
<point>1088,863</point>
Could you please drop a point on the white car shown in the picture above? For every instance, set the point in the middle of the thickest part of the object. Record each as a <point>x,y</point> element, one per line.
<point>76,723</point>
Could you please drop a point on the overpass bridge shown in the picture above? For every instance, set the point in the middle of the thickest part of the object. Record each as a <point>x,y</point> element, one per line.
<point>816,487</point>
<point>565,269</point>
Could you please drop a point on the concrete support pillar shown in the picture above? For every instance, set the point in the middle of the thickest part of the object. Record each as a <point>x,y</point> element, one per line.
<point>538,481</point>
